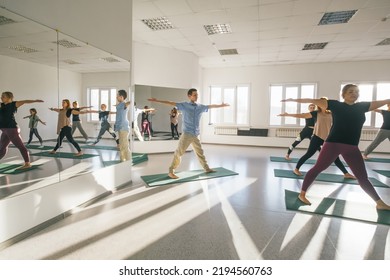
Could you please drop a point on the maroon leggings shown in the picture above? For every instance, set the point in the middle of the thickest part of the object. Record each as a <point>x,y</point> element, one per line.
<point>9,135</point>
<point>351,154</point>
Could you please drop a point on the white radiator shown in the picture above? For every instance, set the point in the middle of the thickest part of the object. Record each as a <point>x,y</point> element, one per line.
<point>225,130</point>
<point>287,132</point>
<point>369,134</point>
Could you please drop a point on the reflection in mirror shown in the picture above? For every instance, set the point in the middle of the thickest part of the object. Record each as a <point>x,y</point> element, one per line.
<point>159,120</point>
<point>28,69</point>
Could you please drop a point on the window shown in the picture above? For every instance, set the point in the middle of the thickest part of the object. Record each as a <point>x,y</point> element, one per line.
<point>238,99</point>
<point>284,91</point>
<point>370,92</point>
<point>99,96</point>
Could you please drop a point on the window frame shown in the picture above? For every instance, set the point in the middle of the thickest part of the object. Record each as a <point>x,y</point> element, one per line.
<point>110,107</point>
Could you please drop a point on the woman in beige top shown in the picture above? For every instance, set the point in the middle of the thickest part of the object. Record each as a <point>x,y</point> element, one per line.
<point>64,126</point>
<point>320,133</point>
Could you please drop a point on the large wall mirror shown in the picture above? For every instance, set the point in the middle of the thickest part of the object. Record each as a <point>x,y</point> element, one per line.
<point>37,62</point>
<point>160,118</point>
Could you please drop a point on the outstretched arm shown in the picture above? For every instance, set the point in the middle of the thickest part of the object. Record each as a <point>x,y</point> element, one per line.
<point>322,103</point>
<point>54,109</point>
<point>379,103</point>
<point>85,107</point>
<point>42,122</point>
<point>302,115</point>
<point>21,102</point>
<point>171,103</point>
<point>26,117</point>
<point>218,105</point>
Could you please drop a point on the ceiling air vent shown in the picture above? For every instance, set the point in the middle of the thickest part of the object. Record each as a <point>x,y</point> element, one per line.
<point>228,52</point>
<point>161,23</point>
<point>218,29</point>
<point>110,59</point>
<point>71,62</point>
<point>67,44</point>
<point>337,17</point>
<point>314,46</point>
<point>21,48</point>
<point>4,20</point>
<point>385,42</point>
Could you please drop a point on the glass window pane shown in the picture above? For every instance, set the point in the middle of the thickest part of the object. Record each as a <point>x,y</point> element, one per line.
<point>228,112</point>
<point>94,101</point>
<point>291,107</point>
<point>112,105</point>
<point>366,94</point>
<point>307,91</point>
<point>215,98</point>
<point>276,94</point>
<point>242,105</point>
<point>382,93</point>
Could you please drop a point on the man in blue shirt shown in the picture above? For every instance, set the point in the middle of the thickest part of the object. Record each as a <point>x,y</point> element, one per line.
<point>192,112</point>
<point>121,125</point>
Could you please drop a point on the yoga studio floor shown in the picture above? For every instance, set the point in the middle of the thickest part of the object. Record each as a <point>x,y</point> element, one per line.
<point>235,217</point>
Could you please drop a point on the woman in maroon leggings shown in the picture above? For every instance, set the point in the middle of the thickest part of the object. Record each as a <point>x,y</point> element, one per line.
<point>9,127</point>
<point>343,139</point>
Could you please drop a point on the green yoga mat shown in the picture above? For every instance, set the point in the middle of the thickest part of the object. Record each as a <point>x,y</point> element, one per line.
<point>136,159</point>
<point>385,160</point>
<point>64,155</point>
<point>326,177</point>
<point>337,208</point>
<point>383,172</point>
<point>36,147</point>
<point>99,147</point>
<point>186,176</point>
<point>295,160</point>
<point>6,168</point>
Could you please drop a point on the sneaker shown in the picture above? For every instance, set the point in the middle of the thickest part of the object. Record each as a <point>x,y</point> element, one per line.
<point>41,146</point>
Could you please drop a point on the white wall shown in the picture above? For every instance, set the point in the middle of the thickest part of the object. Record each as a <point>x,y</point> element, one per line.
<point>329,76</point>
<point>27,80</point>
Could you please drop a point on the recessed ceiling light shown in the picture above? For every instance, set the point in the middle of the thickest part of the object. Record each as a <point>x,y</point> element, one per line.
<point>336,17</point>
<point>385,42</point>
<point>161,23</point>
<point>314,46</point>
<point>228,51</point>
<point>110,59</point>
<point>70,61</point>
<point>218,29</point>
<point>4,20</point>
<point>67,44</point>
<point>21,48</point>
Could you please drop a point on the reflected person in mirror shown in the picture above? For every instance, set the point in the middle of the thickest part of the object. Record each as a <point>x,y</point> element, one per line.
<point>121,126</point>
<point>192,112</point>
<point>10,129</point>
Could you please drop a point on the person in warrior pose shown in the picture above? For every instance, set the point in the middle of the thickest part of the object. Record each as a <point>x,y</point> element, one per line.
<point>104,124</point>
<point>348,119</point>
<point>32,124</point>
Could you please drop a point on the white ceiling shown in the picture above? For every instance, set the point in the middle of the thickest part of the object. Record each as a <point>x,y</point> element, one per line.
<point>264,32</point>
<point>267,32</point>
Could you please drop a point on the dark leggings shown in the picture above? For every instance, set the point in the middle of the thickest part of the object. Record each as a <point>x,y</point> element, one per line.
<point>34,131</point>
<point>329,152</point>
<point>103,130</point>
<point>9,135</point>
<point>174,129</point>
<point>66,131</point>
<point>306,132</point>
<point>315,145</point>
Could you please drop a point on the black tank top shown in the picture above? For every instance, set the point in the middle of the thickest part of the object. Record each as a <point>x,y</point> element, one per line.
<point>7,115</point>
<point>386,119</point>
<point>76,118</point>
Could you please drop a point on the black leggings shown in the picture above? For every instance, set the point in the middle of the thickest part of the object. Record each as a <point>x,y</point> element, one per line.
<point>315,145</point>
<point>66,131</point>
<point>306,132</point>
<point>174,129</point>
<point>34,131</point>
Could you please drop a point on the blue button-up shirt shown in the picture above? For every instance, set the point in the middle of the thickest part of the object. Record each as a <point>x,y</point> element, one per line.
<point>191,116</point>
<point>121,122</point>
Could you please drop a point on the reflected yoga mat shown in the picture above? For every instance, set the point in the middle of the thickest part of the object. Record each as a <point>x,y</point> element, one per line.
<point>136,159</point>
<point>337,208</point>
<point>326,177</point>
<point>295,160</point>
<point>385,160</point>
<point>63,155</point>
<point>6,168</point>
<point>186,176</point>
<point>99,147</point>
<point>36,147</point>
<point>383,172</point>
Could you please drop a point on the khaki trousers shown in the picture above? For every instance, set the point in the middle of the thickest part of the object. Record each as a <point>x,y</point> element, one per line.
<point>124,150</point>
<point>185,140</point>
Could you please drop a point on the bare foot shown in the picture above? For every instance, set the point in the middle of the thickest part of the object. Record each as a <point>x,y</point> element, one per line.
<point>79,154</point>
<point>172,175</point>
<point>26,165</point>
<point>365,157</point>
<point>349,176</point>
<point>287,157</point>
<point>303,199</point>
<point>380,205</point>
<point>210,170</point>
<point>297,172</point>
<point>52,152</point>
